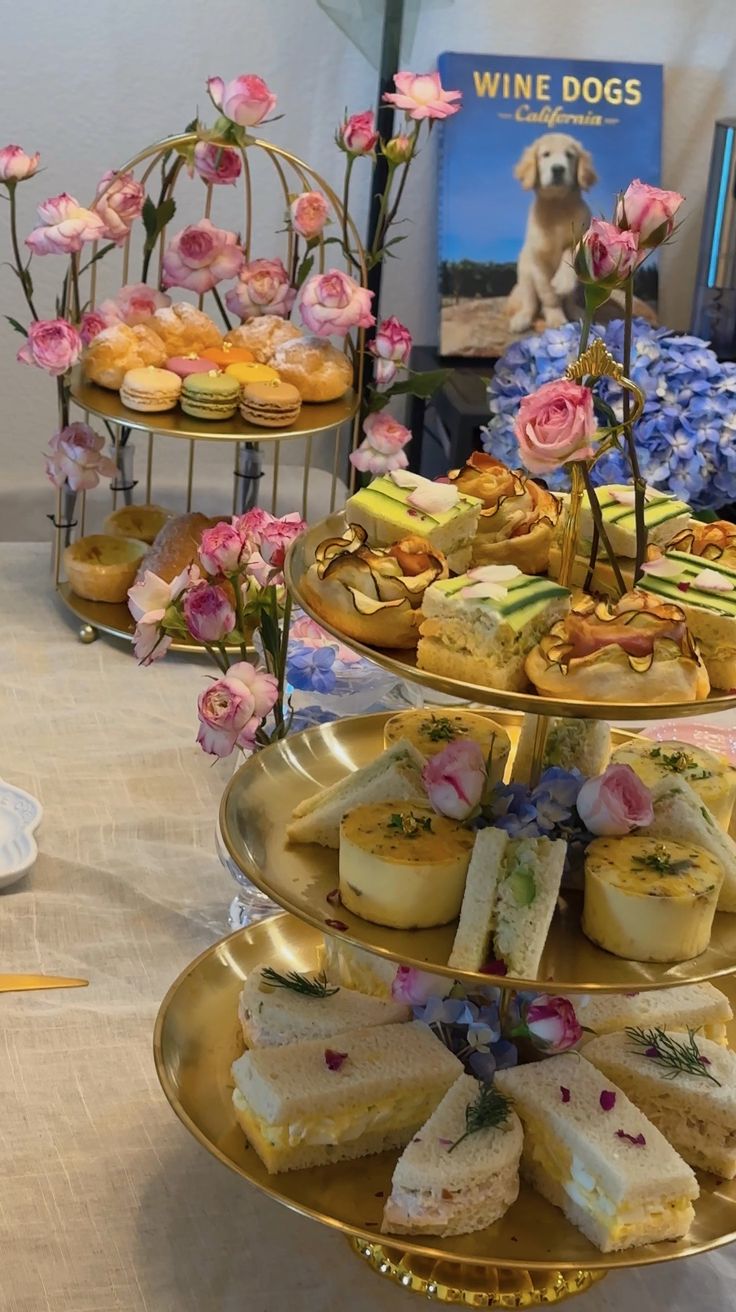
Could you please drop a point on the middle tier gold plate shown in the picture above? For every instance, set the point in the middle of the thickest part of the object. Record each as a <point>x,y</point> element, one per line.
<point>257,806</point>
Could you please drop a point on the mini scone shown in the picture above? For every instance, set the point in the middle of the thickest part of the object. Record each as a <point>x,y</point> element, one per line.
<point>431,730</point>
<point>270,405</point>
<point>119,348</point>
<point>373,594</point>
<point>706,592</point>
<point>482,625</point>
<point>102,568</point>
<point>245,371</point>
<point>184,365</point>
<point>150,390</point>
<point>711,776</point>
<point>518,518</point>
<point>141,522</point>
<point>262,335</point>
<point>185,330</point>
<point>403,865</point>
<point>315,367</point>
<point>632,650</point>
<point>211,396</point>
<point>650,899</point>
<point>400,503</point>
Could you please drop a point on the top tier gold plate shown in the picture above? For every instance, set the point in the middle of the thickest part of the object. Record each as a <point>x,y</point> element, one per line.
<point>403,663</point>
<point>256,808</point>
<point>106,404</point>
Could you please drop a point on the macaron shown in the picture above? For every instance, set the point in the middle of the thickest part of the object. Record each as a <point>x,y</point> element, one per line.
<point>270,405</point>
<point>150,389</point>
<point>229,354</point>
<point>184,365</point>
<point>252,373</point>
<point>210,396</point>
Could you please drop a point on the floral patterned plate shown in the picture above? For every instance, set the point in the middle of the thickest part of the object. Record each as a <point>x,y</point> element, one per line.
<point>20,816</point>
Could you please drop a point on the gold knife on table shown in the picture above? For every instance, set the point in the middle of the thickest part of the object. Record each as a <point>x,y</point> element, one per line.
<point>19,983</point>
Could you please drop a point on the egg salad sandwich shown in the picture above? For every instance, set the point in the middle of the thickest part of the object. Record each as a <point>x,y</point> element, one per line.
<point>510,897</point>
<point>461,1170</point>
<point>592,1153</point>
<point>572,744</point>
<point>360,1092</point>
<point>357,968</point>
<point>280,1008</point>
<point>681,816</point>
<point>394,776</point>
<point>710,775</point>
<point>685,1084</point>
<point>687,1006</point>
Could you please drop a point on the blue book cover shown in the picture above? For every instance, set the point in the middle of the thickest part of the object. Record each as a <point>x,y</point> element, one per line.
<point>539,146</point>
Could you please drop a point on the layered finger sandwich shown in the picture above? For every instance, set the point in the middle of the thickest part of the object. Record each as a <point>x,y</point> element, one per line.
<point>277,1008</point>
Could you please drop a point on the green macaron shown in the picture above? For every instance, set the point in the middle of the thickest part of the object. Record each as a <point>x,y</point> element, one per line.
<point>210,396</point>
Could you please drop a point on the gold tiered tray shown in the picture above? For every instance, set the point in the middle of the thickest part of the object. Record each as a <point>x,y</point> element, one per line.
<point>532,1256</point>
<point>403,663</point>
<point>257,806</point>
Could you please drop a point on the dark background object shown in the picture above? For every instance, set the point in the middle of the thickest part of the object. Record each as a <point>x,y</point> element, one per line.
<point>714,303</point>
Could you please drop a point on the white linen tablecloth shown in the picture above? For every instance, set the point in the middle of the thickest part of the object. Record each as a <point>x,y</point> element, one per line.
<point>106,1203</point>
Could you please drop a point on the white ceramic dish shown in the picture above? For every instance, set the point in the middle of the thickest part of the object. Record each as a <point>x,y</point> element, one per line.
<point>20,816</point>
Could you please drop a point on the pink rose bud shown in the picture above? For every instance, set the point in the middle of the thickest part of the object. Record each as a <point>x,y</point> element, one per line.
<point>455,779</point>
<point>649,212</point>
<point>244,100</point>
<point>231,709</point>
<point>222,549</point>
<point>615,802</point>
<point>399,149</point>
<point>200,256</point>
<point>606,255</point>
<point>16,165</point>
<point>119,203</point>
<point>263,287</point>
<point>392,341</point>
<point>76,458</point>
<point>92,323</point>
<point>415,987</point>
<point>357,135</point>
<point>383,446</point>
<point>552,1025</point>
<point>309,214</point>
<point>333,303</point>
<point>217,164</point>
<point>51,344</point>
<point>384,372</point>
<point>554,425</point>
<point>277,537</point>
<point>421,95</point>
<point>65,227</point>
<point>208,612</point>
<point>134,303</point>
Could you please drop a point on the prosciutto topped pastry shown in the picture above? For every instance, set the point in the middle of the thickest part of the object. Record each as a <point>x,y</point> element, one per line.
<point>518,517</point>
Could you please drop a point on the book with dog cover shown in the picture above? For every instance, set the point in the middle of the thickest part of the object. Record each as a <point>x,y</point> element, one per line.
<point>539,146</point>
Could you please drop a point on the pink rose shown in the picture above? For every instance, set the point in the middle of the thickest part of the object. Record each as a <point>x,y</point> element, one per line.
<point>223,549</point>
<point>92,323</point>
<point>278,536</point>
<point>217,164</point>
<point>151,596</point>
<point>615,802</point>
<point>65,227</point>
<point>200,256</point>
<point>357,135</point>
<point>208,612</point>
<point>399,149</point>
<point>383,446</point>
<point>309,214</point>
<point>421,95</point>
<point>648,211</point>
<point>555,424</point>
<point>252,525</point>
<point>552,1025</point>
<point>134,303</point>
<point>414,987</point>
<point>392,341</point>
<point>455,779</point>
<point>76,458</point>
<point>333,302</point>
<point>263,287</point>
<point>16,165</point>
<point>232,708</point>
<point>605,254</point>
<point>244,100</point>
<point>51,344</point>
<point>119,203</point>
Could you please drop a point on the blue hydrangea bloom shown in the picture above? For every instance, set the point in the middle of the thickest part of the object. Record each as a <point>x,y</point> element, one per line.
<point>310,668</point>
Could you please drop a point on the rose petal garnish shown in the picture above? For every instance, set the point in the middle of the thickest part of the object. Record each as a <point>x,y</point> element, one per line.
<point>405,478</point>
<point>336,924</point>
<point>494,968</point>
<point>637,1139</point>
<point>661,568</point>
<point>651,1052</point>
<point>625,496</point>
<point>445,1143</point>
<point>483,591</point>
<point>704,1061</point>
<point>333,897</point>
<point>334,1060</point>
<point>564,1093</point>
<point>684,587</point>
<point>435,499</point>
<point>494,573</point>
<point>608,1100</point>
<point>712,581</point>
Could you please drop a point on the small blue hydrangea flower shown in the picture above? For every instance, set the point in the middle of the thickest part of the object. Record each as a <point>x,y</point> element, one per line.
<point>310,669</point>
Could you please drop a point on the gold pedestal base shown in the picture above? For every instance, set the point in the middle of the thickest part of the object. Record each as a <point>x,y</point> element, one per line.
<point>462,1284</point>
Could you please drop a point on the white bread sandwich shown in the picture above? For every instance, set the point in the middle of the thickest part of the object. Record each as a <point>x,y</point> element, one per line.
<point>687,1006</point>
<point>357,968</point>
<point>461,1171</point>
<point>280,1008</point>
<point>400,503</point>
<point>685,1084</point>
<point>583,745</point>
<point>706,591</point>
<point>681,816</point>
<point>394,776</point>
<point>592,1153</point>
<point>510,897</point>
<point>364,1091</point>
<point>709,774</point>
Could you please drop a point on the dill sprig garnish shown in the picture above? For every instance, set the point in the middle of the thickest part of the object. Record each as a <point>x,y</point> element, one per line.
<point>439,729</point>
<point>309,988</point>
<point>680,1057</point>
<point>660,860</point>
<point>490,1108</point>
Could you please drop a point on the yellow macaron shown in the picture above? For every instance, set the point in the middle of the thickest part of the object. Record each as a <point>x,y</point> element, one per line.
<point>252,373</point>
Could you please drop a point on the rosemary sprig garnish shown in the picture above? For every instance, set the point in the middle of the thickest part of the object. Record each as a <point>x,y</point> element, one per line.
<point>309,988</point>
<point>489,1108</point>
<point>440,729</point>
<point>680,1057</point>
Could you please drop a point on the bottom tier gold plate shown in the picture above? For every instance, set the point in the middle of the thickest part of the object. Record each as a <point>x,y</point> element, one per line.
<point>113,618</point>
<point>532,1256</point>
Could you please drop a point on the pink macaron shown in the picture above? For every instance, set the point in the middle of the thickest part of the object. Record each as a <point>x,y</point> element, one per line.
<point>184,365</point>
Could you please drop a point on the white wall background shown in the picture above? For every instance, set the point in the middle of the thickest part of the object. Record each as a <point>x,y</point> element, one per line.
<point>89,84</point>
